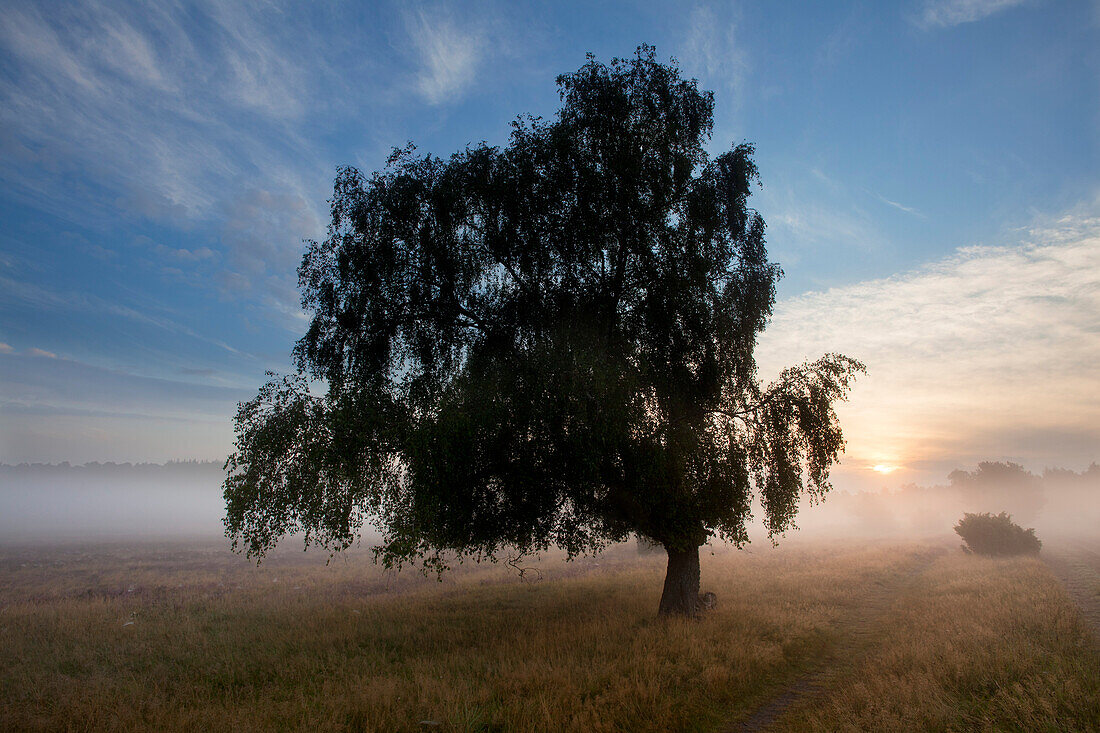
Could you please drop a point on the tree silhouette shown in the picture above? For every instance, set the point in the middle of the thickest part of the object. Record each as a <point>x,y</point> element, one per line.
<point>996,534</point>
<point>996,485</point>
<point>549,343</point>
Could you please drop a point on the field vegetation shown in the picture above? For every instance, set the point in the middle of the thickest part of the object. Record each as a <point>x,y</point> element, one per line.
<point>996,534</point>
<point>876,637</point>
<point>970,644</point>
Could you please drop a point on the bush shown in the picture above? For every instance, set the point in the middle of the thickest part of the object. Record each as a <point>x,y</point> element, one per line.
<point>989,534</point>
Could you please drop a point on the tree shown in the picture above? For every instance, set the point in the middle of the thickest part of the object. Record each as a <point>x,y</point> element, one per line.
<point>549,343</point>
<point>1007,486</point>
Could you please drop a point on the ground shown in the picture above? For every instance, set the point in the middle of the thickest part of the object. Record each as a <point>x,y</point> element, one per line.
<point>900,635</point>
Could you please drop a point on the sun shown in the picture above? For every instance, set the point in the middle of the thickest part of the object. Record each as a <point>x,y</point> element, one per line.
<point>884,468</point>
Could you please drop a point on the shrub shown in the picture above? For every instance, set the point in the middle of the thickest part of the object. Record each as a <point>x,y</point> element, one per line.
<point>996,534</point>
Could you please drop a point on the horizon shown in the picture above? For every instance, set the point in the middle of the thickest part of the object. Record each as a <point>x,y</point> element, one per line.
<point>41,503</point>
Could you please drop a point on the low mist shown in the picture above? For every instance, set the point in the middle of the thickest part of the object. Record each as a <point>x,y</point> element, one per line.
<point>1057,503</point>
<point>105,501</point>
<point>108,501</point>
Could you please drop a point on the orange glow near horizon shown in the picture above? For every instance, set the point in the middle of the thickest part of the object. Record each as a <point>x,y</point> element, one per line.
<point>988,354</point>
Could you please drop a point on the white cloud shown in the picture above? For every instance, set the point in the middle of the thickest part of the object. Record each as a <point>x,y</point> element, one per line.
<point>984,355</point>
<point>169,114</point>
<point>817,223</point>
<point>130,53</point>
<point>900,207</point>
<point>188,255</point>
<point>711,50</point>
<point>5,348</point>
<point>812,208</point>
<point>263,234</point>
<point>265,230</point>
<point>163,108</point>
<point>27,295</point>
<point>449,55</point>
<point>946,13</point>
<point>67,386</point>
<point>266,76</point>
<point>841,42</point>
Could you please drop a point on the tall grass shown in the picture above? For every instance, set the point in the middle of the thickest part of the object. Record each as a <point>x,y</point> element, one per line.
<point>188,637</point>
<point>974,644</point>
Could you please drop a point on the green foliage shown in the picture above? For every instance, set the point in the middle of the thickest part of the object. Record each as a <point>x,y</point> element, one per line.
<point>549,343</point>
<point>996,534</point>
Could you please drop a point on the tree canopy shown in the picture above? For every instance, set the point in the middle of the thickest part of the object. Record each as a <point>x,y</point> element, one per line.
<point>998,485</point>
<point>545,343</point>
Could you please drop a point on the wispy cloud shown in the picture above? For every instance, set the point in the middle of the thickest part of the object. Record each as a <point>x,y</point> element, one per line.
<point>263,233</point>
<point>711,50</point>
<point>816,223</point>
<point>15,292</point>
<point>815,208</point>
<point>51,408</point>
<point>946,13</point>
<point>63,384</point>
<point>974,357</point>
<point>41,353</point>
<point>841,42</point>
<point>143,103</point>
<point>448,55</point>
<point>168,114</point>
<point>899,207</point>
<point>264,230</point>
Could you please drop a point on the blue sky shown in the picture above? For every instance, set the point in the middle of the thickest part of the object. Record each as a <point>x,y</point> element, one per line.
<point>161,163</point>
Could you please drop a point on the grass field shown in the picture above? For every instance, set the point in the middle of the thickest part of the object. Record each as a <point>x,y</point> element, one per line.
<point>887,636</point>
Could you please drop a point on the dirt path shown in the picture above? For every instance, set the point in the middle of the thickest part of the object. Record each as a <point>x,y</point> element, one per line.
<point>857,637</point>
<point>1077,565</point>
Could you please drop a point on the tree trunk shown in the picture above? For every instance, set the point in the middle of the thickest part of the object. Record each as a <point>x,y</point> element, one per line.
<point>681,593</point>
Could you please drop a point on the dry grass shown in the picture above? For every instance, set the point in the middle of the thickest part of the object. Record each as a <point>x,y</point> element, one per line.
<point>1076,562</point>
<point>189,637</point>
<point>972,644</point>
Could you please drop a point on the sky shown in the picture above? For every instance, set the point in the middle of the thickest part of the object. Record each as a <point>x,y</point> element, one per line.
<point>930,179</point>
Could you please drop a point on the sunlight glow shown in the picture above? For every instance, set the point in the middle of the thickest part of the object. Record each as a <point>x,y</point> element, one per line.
<point>884,468</point>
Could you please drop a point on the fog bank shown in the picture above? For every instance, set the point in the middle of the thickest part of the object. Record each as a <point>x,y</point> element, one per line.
<point>1057,503</point>
<point>52,503</point>
<point>103,501</point>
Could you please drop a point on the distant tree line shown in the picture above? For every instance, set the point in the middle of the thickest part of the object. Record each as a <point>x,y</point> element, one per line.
<point>109,468</point>
<point>1056,498</point>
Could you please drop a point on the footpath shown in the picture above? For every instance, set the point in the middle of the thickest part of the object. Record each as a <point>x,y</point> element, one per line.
<point>1077,565</point>
<point>858,636</point>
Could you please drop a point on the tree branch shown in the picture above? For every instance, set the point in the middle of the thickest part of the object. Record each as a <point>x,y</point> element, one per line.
<point>518,280</point>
